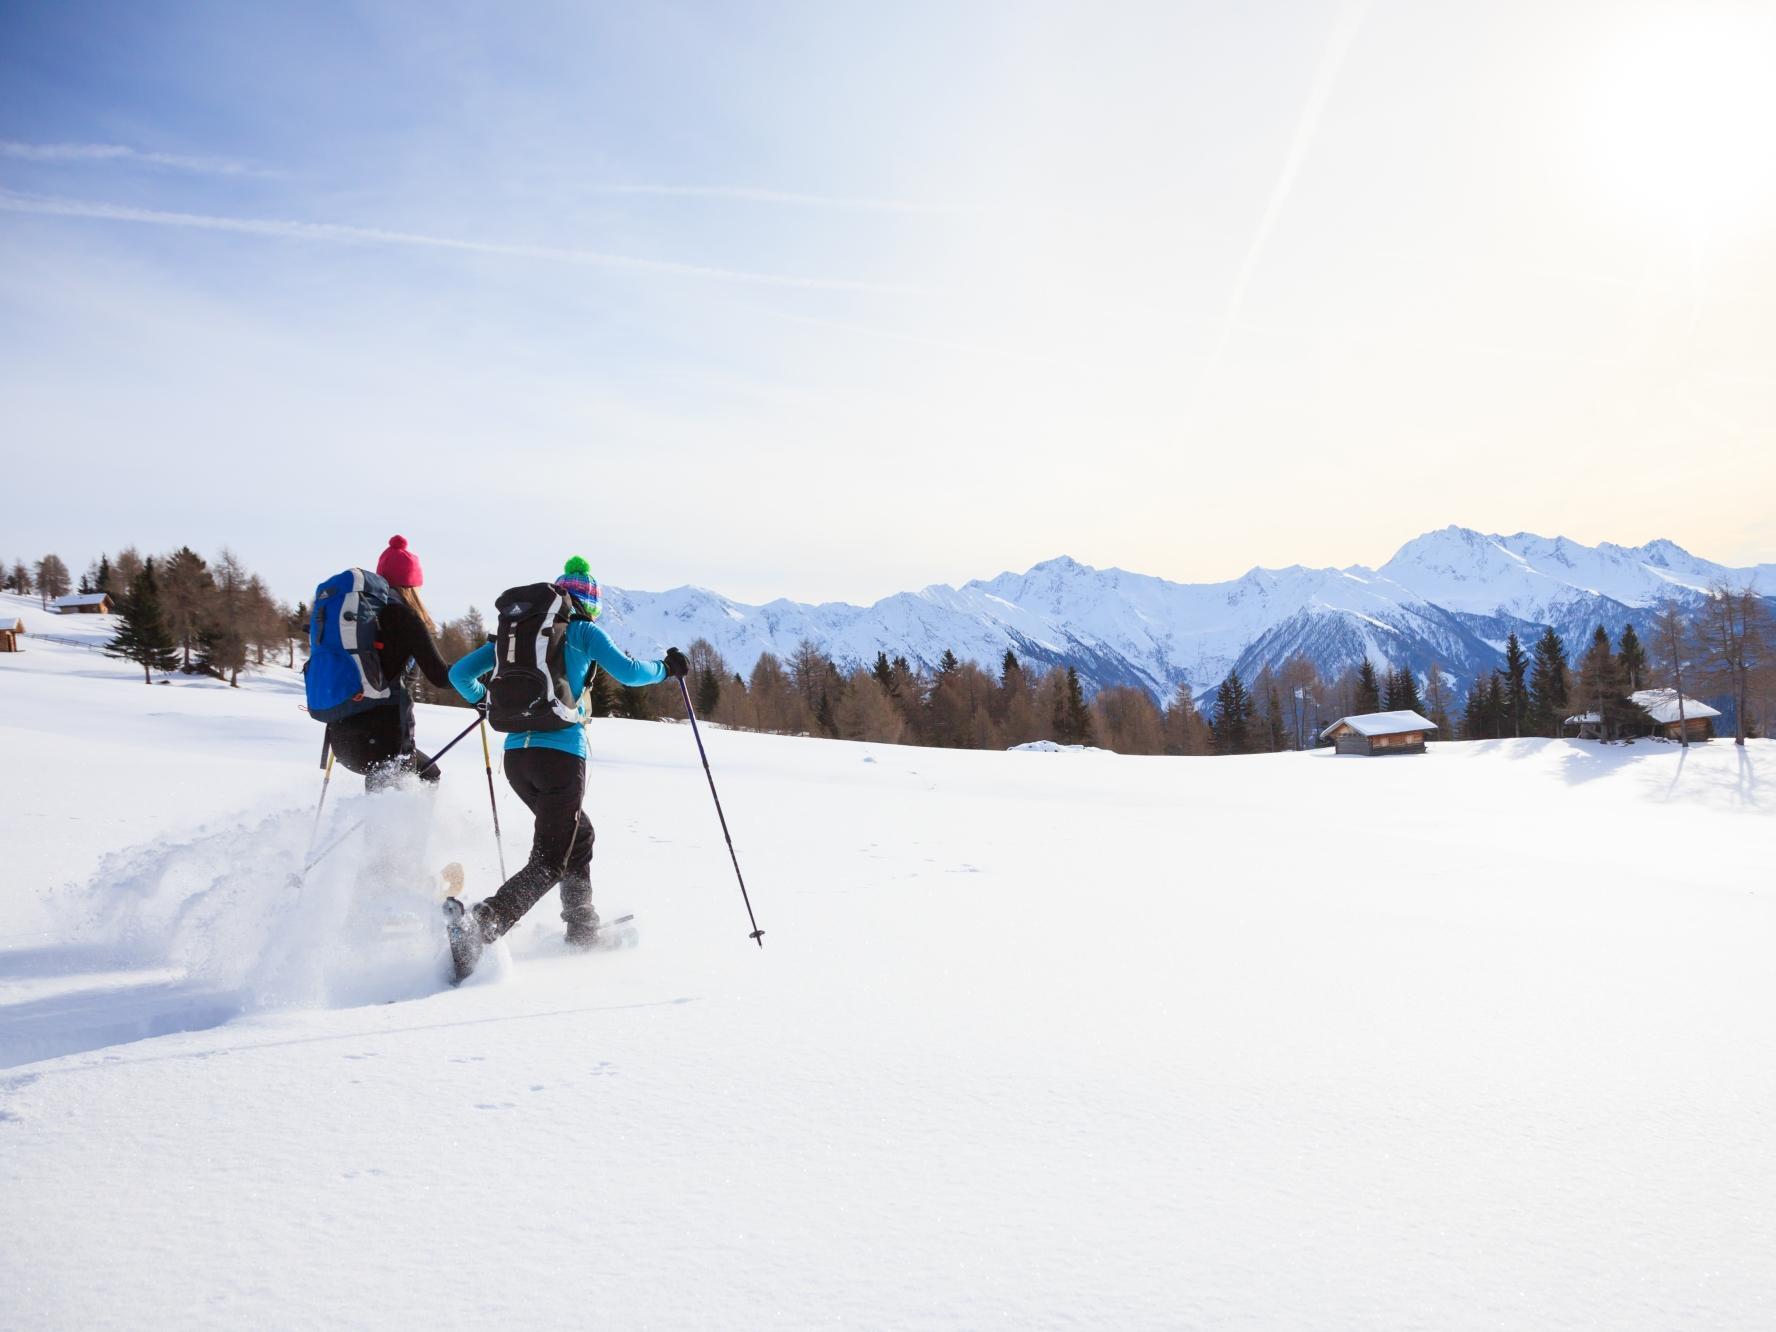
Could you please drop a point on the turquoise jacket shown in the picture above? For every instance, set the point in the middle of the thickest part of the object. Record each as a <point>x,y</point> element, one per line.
<point>586,644</point>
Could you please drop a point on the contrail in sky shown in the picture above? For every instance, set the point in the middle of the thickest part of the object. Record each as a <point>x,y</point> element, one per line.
<point>117,152</point>
<point>748,194</point>
<point>1344,32</point>
<point>337,233</point>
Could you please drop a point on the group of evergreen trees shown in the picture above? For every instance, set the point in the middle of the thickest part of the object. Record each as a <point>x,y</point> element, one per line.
<point>181,612</point>
<point>892,701</point>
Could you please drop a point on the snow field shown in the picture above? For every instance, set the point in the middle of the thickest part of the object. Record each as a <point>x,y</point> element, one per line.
<point>1035,1039</point>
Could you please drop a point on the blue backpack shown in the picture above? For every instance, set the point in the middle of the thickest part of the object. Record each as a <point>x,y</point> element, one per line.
<point>343,675</point>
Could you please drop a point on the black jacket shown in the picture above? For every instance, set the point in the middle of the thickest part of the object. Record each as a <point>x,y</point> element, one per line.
<point>401,638</point>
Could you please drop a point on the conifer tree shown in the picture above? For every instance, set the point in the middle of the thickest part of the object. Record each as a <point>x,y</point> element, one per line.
<point>1632,659</point>
<point>142,635</point>
<point>1516,685</point>
<point>1368,688</point>
<point>1548,687</point>
<point>1497,707</point>
<point>1072,718</point>
<point>1232,722</point>
<point>185,588</point>
<point>1474,712</point>
<point>1600,684</point>
<point>883,670</point>
<point>1402,691</point>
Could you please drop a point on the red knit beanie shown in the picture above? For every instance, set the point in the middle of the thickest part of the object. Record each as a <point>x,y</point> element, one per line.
<point>400,565</point>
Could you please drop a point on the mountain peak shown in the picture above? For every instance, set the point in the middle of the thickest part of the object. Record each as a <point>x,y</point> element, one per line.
<point>1061,564</point>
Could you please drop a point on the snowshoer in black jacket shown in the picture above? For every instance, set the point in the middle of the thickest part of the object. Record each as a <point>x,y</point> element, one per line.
<point>379,742</point>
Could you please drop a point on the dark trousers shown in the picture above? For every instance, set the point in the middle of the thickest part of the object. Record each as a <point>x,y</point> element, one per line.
<point>378,745</point>
<point>552,784</point>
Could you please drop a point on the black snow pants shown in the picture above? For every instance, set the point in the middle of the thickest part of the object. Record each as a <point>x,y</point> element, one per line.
<point>552,783</point>
<point>378,744</point>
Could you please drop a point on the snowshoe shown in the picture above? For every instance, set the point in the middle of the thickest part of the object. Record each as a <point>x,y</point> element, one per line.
<point>601,935</point>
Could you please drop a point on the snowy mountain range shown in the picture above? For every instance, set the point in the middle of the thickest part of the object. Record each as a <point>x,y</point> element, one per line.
<point>1449,597</point>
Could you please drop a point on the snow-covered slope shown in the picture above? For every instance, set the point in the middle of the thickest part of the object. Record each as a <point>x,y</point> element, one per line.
<point>1449,597</point>
<point>1008,1058</point>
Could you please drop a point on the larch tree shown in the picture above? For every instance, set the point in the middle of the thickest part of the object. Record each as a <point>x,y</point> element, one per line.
<point>1673,643</point>
<point>1437,699</point>
<point>1185,730</point>
<point>865,712</point>
<point>124,570</point>
<point>1735,632</point>
<point>52,579</point>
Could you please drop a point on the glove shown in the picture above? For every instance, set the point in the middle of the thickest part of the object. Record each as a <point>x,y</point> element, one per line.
<point>677,664</point>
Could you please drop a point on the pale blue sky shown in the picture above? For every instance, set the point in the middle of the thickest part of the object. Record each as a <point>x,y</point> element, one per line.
<point>829,300</point>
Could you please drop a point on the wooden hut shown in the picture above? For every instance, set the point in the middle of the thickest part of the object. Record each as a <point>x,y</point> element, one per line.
<point>11,630</point>
<point>83,603</point>
<point>1372,733</point>
<point>1662,705</point>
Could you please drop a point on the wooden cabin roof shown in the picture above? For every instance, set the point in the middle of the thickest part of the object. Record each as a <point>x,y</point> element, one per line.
<point>1382,723</point>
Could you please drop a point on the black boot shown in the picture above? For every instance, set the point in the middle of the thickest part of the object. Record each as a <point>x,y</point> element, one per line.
<point>576,910</point>
<point>469,932</point>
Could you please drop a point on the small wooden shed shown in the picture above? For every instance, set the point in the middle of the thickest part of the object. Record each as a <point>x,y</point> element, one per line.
<point>83,603</point>
<point>1663,705</point>
<point>1371,733</point>
<point>11,630</point>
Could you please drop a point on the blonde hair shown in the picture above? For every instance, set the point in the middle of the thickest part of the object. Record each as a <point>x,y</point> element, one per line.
<point>410,595</point>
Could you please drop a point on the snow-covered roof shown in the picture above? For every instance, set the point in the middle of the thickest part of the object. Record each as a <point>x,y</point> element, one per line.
<point>1584,719</point>
<point>81,599</point>
<point>1661,705</point>
<point>1382,723</point>
<point>14,624</point>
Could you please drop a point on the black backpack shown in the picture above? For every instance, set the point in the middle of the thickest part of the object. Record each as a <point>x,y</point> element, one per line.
<point>530,690</point>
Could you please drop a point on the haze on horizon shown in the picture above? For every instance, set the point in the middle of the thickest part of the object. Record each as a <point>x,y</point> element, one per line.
<point>828,303</point>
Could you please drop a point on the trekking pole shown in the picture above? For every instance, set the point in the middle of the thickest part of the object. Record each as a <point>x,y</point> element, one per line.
<point>493,804</point>
<point>433,762</point>
<point>757,935</point>
<point>326,781</point>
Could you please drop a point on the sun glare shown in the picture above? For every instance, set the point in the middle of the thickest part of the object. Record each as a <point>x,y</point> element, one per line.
<point>1683,117</point>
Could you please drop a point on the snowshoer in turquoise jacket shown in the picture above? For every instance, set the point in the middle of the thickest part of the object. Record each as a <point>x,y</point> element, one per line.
<point>547,768</point>
<point>587,646</point>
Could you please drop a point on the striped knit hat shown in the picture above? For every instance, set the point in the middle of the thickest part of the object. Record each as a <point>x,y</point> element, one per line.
<point>577,581</point>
